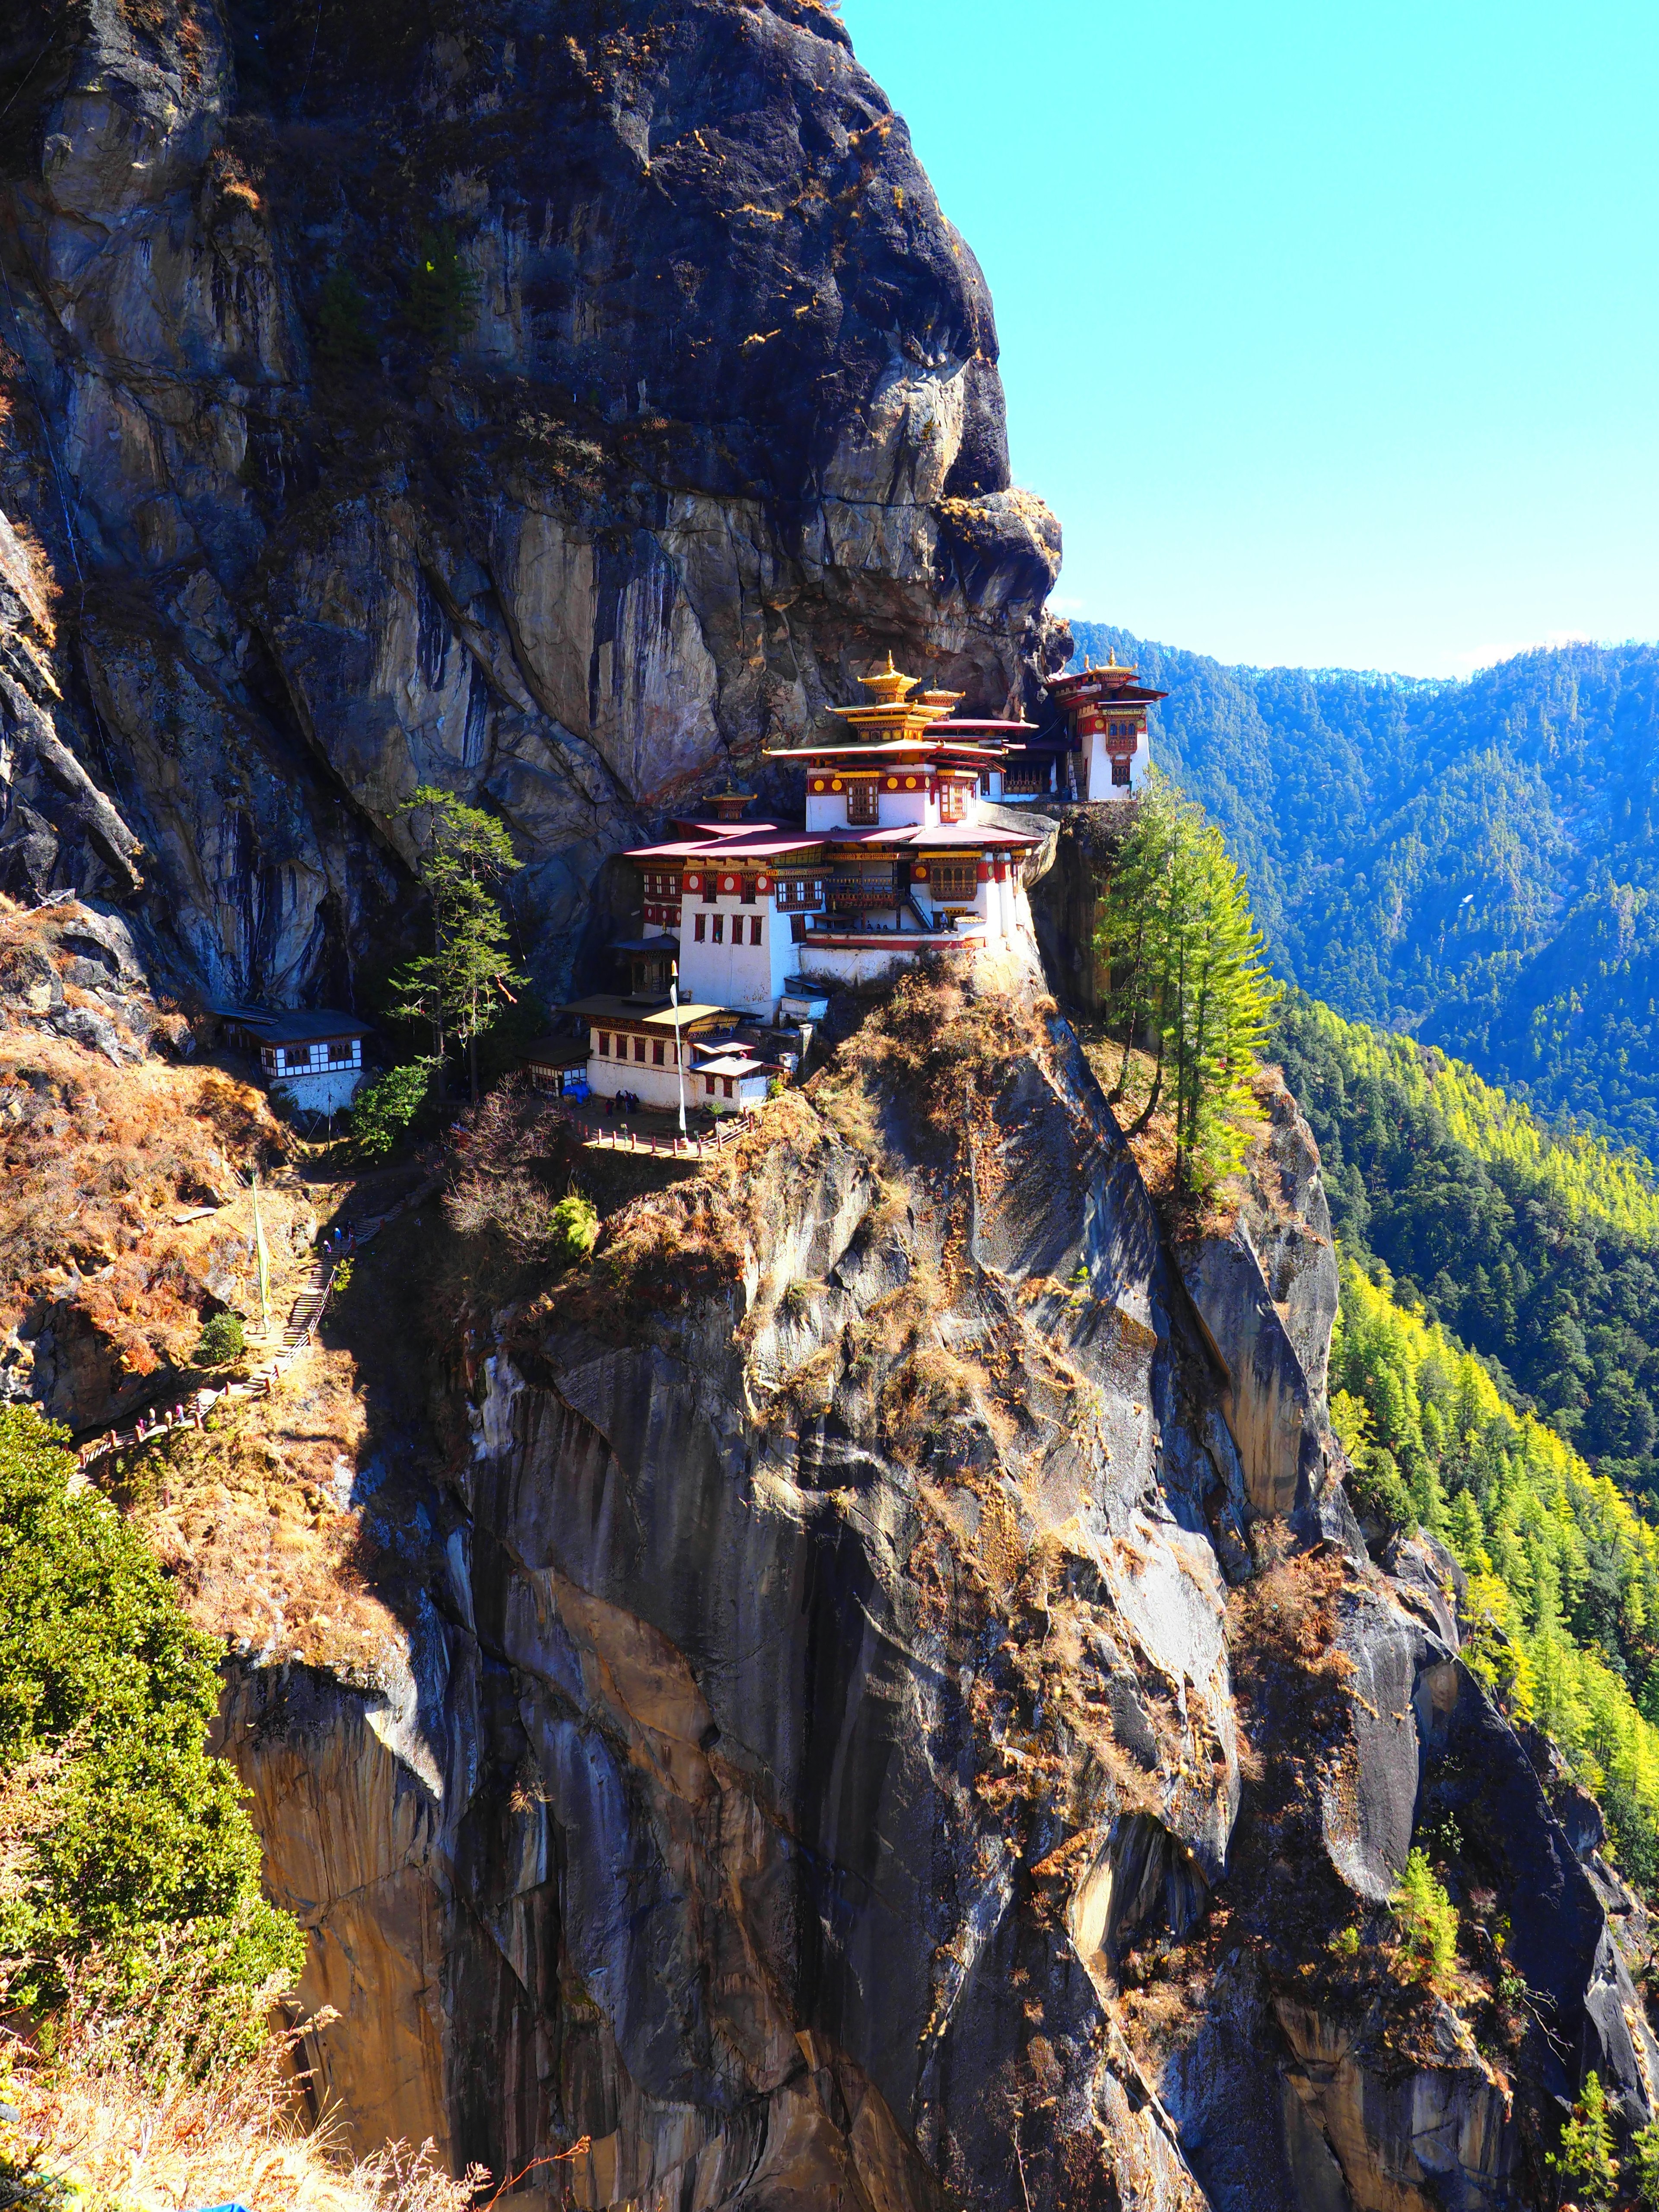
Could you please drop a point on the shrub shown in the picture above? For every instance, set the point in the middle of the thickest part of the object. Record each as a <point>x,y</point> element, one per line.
<point>1585,2160</point>
<point>574,1230</point>
<point>126,1859</point>
<point>1645,2146</point>
<point>383,1111</point>
<point>1428,1922</point>
<point>222,1339</point>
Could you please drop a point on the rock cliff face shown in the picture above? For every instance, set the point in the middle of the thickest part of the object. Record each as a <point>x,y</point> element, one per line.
<point>871,1740</point>
<point>553,403</point>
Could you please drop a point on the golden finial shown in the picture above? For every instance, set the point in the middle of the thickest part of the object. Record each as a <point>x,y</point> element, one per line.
<point>888,683</point>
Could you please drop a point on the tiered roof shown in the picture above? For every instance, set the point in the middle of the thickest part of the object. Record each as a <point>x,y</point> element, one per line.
<point>1112,685</point>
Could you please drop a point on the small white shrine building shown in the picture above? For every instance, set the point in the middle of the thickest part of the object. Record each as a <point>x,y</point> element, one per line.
<point>1105,710</point>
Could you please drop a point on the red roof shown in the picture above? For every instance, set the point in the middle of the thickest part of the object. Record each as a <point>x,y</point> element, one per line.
<point>947,833</point>
<point>726,848</point>
<point>1108,683</point>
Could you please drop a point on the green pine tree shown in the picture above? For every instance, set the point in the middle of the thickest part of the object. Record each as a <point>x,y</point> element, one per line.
<point>1185,960</point>
<point>442,306</point>
<point>343,334</point>
<point>1427,1920</point>
<point>1586,2161</point>
<point>461,986</point>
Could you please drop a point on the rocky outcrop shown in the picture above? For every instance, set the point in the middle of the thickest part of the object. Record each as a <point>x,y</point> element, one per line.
<point>862,1740</point>
<point>555,414</point>
<point>1265,1293</point>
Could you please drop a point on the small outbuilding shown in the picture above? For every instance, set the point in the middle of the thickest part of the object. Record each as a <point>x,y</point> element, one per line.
<point>558,1066</point>
<point>316,1056</point>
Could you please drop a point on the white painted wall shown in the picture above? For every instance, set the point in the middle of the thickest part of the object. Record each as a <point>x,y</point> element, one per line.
<point>1100,768</point>
<point>655,1086</point>
<point>326,1091</point>
<point>747,977</point>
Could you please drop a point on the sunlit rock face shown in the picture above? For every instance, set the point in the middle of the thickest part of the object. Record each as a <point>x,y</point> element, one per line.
<point>860,1741</point>
<point>717,421</point>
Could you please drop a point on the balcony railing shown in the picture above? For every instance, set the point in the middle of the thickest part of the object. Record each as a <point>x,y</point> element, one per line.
<point>863,891</point>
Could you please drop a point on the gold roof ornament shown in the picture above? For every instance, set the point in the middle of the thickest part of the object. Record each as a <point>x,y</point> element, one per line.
<point>888,683</point>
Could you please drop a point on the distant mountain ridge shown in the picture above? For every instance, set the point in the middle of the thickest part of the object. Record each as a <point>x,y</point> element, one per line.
<point>1473,862</point>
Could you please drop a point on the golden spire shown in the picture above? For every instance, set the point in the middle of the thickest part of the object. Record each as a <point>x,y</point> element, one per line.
<point>888,683</point>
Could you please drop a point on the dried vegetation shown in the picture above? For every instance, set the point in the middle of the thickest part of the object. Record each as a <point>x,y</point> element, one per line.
<point>97,1163</point>
<point>253,1519</point>
<point>120,2137</point>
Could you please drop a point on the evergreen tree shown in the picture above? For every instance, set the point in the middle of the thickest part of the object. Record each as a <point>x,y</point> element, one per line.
<point>124,1845</point>
<point>1187,963</point>
<point>343,338</point>
<point>442,306</point>
<point>1585,2161</point>
<point>461,986</point>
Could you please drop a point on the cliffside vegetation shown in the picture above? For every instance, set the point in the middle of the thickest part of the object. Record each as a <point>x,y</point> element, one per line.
<point>1475,862</point>
<point>1564,1574</point>
<point>1175,929</point>
<point>1533,1245</point>
<point>128,1871</point>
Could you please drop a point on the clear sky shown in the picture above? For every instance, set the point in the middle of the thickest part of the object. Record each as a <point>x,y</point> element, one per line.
<point>1330,333</point>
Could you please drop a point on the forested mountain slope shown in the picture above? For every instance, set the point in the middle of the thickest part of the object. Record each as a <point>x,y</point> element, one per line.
<point>1538,1249</point>
<point>1473,862</point>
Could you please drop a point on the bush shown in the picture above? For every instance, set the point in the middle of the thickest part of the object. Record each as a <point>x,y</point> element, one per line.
<point>127,1855</point>
<point>384,1111</point>
<point>574,1230</point>
<point>1428,1922</point>
<point>222,1339</point>
<point>1645,2146</point>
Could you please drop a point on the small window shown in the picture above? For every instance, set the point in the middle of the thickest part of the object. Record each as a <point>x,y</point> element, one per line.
<point>748,883</point>
<point>863,800</point>
<point>726,1081</point>
<point>720,929</point>
<point>604,1044</point>
<point>1120,772</point>
<point>754,929</point>
<point>709,888</point>
<point>699,931</point>
<point>709,1081</point>
<point>951,802</point>
<point>656,1052</point>
<point>339,1052</point>
<point>639,1048</point>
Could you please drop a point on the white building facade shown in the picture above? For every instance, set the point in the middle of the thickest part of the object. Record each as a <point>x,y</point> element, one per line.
<point>1105,710</point>
<point>892,860</point>
<point>316,1057</point>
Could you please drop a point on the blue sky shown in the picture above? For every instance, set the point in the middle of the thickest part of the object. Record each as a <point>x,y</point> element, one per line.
<point>1331,334</point>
